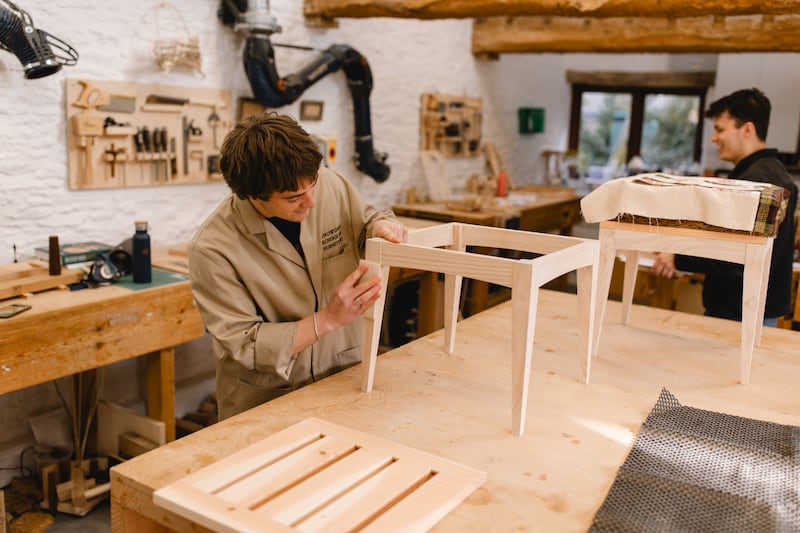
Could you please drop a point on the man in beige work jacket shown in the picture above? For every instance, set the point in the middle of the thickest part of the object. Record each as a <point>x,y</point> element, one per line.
<point>275,268</point>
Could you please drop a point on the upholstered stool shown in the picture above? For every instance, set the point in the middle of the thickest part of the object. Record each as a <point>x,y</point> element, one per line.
<point>670,217</point>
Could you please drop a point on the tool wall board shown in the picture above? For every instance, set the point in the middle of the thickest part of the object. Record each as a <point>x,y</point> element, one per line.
<point>450,124</point>
<point>126,134</point>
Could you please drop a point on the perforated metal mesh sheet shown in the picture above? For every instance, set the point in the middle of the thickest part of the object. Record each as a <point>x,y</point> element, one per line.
<point>695,470</point>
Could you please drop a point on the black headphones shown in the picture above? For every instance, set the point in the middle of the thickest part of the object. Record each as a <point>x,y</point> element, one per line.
<point>109,267</point>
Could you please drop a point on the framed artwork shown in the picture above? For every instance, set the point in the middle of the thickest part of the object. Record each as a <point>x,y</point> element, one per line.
<point>311,110</point>
<point>249,106</point>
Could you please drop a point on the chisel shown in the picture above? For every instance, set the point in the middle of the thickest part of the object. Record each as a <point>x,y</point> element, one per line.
<point>148,147</point>
<point>163,150</point>
<point>138,140</point>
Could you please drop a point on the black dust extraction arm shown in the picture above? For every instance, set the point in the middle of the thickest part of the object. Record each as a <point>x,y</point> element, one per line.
<point>33,47</point>
<point>270,89</point>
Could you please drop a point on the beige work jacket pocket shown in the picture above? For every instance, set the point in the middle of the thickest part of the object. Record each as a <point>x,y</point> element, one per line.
<point>248,395</point>
<point>349,357</point>
<point>335,269</point>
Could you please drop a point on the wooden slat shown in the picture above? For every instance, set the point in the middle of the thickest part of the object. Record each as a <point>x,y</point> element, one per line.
<point>550,266</point>
<point>33,276</point>
<point>215,477</point>
<point>481,267</point>
<point>316,492</point>
<point>214,513</point>
<point>260,487</point>
<point>710,244</point>
<point>439,235</point>
<point>21,271</point>
<point>423,508</point>
<point>357,507</point>
<point>525,241</point>
<point>685,232</point>
<point>313,491</point>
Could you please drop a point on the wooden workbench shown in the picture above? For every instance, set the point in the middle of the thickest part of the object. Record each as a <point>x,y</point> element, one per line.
<point>540,208</point>
<point>555,477</point>
<point>67,332</point>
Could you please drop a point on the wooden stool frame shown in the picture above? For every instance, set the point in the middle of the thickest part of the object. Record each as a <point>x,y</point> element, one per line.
<point>444,249</point>
<point>752,251</point>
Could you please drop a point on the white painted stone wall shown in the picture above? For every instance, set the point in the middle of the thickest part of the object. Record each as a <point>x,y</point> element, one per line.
<point>407,57</point>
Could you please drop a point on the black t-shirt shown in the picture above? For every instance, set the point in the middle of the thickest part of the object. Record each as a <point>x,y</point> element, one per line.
<point>722,288</point>
<point>290,230</point>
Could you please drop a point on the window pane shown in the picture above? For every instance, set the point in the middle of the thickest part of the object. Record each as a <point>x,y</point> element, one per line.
<point>668,132</point>
<point>603,140</point>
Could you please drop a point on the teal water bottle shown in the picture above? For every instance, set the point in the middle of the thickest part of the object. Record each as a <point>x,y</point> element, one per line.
<point>141,254</point>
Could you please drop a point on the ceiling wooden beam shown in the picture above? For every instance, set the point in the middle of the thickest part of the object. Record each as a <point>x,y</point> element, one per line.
<point>502,35</point>
<point>437,9</point>
<point>682,80</point>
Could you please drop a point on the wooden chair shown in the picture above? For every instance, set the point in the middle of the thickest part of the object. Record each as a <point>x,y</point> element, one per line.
<point>752,251</point>
<point>444,249</point>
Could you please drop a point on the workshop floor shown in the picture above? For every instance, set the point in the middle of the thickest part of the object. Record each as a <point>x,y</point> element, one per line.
<point>97,521</point>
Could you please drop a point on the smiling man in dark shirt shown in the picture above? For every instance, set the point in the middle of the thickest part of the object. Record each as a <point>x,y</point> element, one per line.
<point>741,120</point>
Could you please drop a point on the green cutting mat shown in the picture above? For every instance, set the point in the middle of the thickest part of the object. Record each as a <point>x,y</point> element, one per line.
<point>159,278</point>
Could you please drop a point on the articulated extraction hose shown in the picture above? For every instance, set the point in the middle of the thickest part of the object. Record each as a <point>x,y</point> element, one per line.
<point>273,91</point>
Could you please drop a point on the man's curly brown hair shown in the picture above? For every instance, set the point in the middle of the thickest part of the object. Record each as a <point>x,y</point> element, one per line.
<point>267,153</point>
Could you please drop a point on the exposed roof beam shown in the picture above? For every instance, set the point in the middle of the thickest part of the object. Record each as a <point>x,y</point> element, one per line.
<point>502,35</point>
<point>642,79</point>
<point>436,9</point>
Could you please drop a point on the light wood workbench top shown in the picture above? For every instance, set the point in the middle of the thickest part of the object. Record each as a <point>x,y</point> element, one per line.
<point>555,477</point>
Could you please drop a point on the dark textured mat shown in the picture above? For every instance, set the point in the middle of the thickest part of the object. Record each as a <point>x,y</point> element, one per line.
<point>695,470</point>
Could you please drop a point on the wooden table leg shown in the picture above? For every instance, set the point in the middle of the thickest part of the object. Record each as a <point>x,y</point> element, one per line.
<point>161,389</point>
<point>429,297</point>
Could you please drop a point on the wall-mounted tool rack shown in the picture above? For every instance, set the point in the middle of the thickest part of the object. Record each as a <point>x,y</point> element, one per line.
<point>451,124</point>
<point>125,134</point>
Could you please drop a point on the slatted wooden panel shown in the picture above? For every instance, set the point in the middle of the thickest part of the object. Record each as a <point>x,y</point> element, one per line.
<point>317,476</point>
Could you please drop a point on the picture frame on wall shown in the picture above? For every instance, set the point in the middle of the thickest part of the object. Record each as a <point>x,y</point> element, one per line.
<point>249,106</point>
<point>311,110</point>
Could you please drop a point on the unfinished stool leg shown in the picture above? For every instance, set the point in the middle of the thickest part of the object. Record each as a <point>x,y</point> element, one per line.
<point>452,294</point>
<point>371,320</point>
<point>524,302</point>
<point>766,264</point>
<point>452,297</point>
<point>629,283</point>
<point>605,265</point>
<point>587,293</point>
<point>754,291</point>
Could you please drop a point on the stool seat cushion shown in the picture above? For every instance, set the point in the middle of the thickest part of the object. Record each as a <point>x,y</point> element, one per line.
<point>716,204</point>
